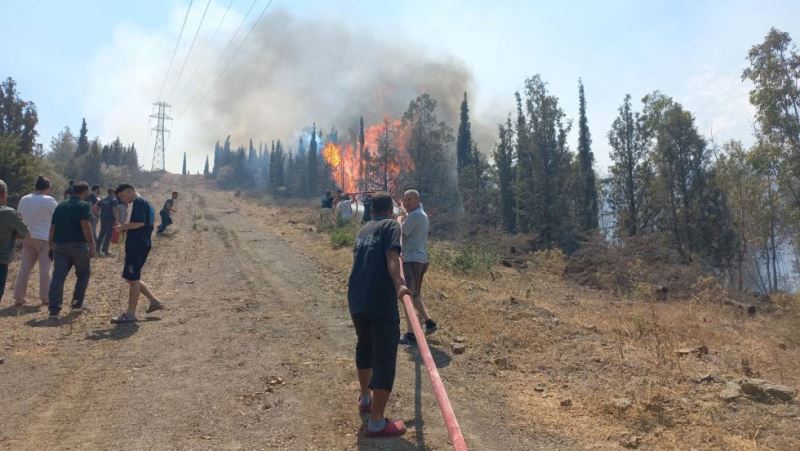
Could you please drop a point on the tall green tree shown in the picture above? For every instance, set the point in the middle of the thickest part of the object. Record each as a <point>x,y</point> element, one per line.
<point>430,145</point>
<point>206,172</point>
<point>631,176</point>
<point>464,137</point>
<point>183,171</point>
<point>774,71</point>
<point>504,169</point>
<point>83,140</point>
<point>544,188</point>
<point>586,180</point>
<point>313,161</point>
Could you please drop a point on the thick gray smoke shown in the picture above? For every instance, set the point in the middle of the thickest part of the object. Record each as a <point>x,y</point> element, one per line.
<point>293,72</point>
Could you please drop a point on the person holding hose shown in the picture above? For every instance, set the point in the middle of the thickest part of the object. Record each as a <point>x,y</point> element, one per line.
<point>374,288</point>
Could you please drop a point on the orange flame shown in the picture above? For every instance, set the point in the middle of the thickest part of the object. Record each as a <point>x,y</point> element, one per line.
<point>348,162</point>
<point>332,155</point>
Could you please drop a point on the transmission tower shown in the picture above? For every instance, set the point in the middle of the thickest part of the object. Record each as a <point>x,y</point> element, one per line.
<point>159,149</point>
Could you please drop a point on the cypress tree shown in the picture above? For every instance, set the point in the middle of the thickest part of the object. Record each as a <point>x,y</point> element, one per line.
<point>206,172</point>
<point>464,139</point>
<point>83,140</point>
<point>183,171</point>
<point>504,159</point>
<point>313,182</point>
<point>586,180</point>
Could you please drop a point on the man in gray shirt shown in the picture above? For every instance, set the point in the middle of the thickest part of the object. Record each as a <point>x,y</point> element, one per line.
<point>415,260</point>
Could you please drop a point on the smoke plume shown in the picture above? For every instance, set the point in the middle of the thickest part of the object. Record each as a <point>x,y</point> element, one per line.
<point>292,73</point>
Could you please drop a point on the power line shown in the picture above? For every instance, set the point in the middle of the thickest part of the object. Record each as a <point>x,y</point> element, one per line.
<point>205,53</point>
<point>241,44</point>
<point>189,53</point>
<point>221,56</point>
<point>174,52</point>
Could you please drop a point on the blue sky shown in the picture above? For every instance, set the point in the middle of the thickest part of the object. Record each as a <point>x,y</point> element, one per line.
<point>66,56</point>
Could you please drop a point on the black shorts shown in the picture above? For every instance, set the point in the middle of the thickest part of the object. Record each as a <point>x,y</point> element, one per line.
<point>134,261</point>
<point>377,348</point>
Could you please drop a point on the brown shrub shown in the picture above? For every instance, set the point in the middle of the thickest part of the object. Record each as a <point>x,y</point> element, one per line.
<point>642,266</point>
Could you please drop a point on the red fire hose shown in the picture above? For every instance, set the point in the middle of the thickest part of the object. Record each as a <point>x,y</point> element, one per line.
<point>453,429</point>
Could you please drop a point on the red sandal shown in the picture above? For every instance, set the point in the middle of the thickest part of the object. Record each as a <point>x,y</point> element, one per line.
<point>393,428</point>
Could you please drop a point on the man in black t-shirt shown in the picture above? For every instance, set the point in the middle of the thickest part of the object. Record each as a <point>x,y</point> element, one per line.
<point>374,287</point>
<point>137,248</point>
<point>166,213</point>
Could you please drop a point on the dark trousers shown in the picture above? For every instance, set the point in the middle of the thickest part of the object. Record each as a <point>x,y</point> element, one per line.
<point>166,220</point>
<point>376,348</point>
<point>104,237</point>
<point>65,256</point>
<point>3,275</point>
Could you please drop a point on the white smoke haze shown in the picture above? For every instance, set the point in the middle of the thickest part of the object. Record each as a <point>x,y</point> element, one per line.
<point>290,73</point>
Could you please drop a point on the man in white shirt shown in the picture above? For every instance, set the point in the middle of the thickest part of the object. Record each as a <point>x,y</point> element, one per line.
<point>36,210</point>
<point>415,261</point>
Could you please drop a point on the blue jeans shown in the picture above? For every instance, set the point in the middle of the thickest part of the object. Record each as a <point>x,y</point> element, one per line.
<point>65,256</point>
<point>166,220</point>
<point>3,275</point>
<point>104,237</point>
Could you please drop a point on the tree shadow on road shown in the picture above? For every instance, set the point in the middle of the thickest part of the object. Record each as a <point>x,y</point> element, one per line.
<point>18,311</point>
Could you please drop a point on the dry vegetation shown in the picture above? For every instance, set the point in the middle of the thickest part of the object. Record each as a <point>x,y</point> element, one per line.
<point>601,366</point>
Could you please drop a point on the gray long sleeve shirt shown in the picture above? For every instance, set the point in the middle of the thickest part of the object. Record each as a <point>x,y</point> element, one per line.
<point>415,237</point>
<point>11,227</point>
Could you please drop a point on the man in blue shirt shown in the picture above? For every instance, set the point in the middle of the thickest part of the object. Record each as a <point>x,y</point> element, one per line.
<point>137,248</point>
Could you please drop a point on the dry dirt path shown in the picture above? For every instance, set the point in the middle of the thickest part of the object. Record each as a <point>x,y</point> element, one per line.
<point>254,352</point>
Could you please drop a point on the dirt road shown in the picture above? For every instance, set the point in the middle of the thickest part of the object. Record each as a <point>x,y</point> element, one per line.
<point>254,352</point>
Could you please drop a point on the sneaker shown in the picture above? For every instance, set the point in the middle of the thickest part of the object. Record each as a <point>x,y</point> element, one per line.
<point>76,306</point>
<point>408,338</point>
<point>154,305</point>
<point>393,428</point>
<point>124,318</point>
<point>19,303</point>
<point>52,318</point>
<point>430,327</point>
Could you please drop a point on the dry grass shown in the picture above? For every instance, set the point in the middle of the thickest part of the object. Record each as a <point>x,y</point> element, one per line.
<point>537,339</point>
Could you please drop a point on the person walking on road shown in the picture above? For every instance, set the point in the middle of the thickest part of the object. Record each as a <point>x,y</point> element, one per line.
<point>36,210</point>
<point>109,217</point>
<point>137,247</point>
<point>166,213</point>
<point>94,200</point>
<point>11,229</point>
<point>374,288</point>
<point>71,245</point>
<point>415,261</point>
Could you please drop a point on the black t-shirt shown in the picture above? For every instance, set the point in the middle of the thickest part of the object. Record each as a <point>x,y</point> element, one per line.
<point>370,289</point>
<point>327,202</point>
<point>168,205</point>
<point>107,206</point>
<point>141,211</point>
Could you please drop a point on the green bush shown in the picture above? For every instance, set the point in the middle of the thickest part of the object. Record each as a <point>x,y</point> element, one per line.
<point>464,258</point>
<point>343,235</point>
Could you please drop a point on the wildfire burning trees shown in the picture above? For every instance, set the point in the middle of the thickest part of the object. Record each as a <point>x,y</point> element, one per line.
<point>378,158</point>
<point>416,150</point>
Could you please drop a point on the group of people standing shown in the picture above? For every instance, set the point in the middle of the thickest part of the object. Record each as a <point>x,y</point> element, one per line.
<point>390,260</point>
<point>64,235</point>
